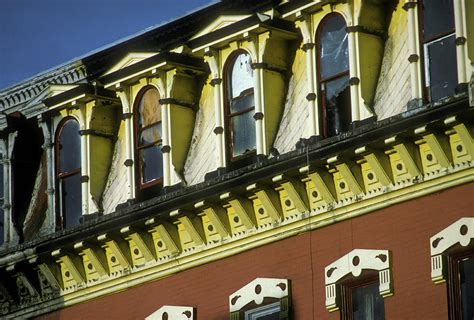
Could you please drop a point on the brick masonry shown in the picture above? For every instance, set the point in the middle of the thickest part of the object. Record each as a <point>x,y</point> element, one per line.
<point>404,229</point>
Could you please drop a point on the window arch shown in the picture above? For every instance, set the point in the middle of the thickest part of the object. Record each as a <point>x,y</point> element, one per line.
<point>439,48</point>
<point>68,174</point>
<point>333,75</point>
<point>240,105</point>
<point>148,138</point>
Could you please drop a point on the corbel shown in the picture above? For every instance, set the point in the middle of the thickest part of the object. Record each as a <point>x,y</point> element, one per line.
<point>295,190</point>
<point>188,228</point>
<point>378,172</point>
<point>323,185</point>
<point>24,287</point>
<point>140,243</point>
<point>269,199</point>
<point>347,177</point>
<point>217,221</point>
<point>460,140</point>
<point>97,260</point>
<point>434,149</point>
<point>165,237</point>
<point>122,91</point>
<point>243,212</point>
<point>404,158</point>
<point>72,267</point>
<point>50,279</point>
<point>119,251</point>
<point>304,23</point>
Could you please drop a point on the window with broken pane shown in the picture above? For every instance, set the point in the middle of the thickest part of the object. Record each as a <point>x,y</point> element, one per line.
<point>439,48</point>
<point>240,106</point>
<point>149,138</point>
<point>333,62</point>
<point>68,165</point>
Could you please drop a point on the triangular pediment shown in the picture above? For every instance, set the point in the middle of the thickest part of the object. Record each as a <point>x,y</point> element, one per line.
<point>219,23</point>
<point>130,59</point>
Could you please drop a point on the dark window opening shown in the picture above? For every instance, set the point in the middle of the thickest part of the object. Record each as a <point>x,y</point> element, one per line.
<point>26,158</point>
<point>361,300</point>
<point>266,312</point>
<point>240,106</point>
<point>461,285</point>
<point>68,173</point>
<point>438,33</point>
<point>333,67</point>
<point>148,139</point>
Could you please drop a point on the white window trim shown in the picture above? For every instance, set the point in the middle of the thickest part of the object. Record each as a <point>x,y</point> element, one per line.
<point>354,263</point>
<point>173,313</point>
<point>460,232</point>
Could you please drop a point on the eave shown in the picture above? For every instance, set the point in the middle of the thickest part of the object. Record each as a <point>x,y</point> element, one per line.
<point>83,93</point>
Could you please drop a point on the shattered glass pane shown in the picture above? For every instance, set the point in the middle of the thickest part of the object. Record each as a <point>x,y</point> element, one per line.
<point>334,53</point>
<point>247,101</point>
<point>241,75</point>
<point>71,201</point>
<point>438,18</point>
<point>337,103</point>
<point>442,70</point>
<point>243,133</point>
<point>150,135</point>
<point>149,108</point>
<point>69,147</point>
<point>151,162</point>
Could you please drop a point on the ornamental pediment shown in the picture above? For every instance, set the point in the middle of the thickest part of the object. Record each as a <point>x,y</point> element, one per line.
<point>129,59</point>
<point>219,23</point>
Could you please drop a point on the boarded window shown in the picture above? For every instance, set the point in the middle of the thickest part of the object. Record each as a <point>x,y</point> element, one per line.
<point>439,48</point>
<point>240,106</point>
<point>149,138</point>
<point>333,60</point>
<point>68,152</point>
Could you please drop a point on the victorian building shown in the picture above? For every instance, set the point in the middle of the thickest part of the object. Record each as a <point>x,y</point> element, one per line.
<point>255,159</point>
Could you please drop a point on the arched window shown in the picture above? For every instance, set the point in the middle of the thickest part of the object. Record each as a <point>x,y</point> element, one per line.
<point>333,62</point>
<point>68,173</point>
<point>240,106</point>
<point>148,138</point>
<point>439,47</point>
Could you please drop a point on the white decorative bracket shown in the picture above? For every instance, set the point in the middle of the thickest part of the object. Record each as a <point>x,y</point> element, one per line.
<point>354,263</point>
<point>172,313</point>
<point>460,232</point>
<point>256,291</point>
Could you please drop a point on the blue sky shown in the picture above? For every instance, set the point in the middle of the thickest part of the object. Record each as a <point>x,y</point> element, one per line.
<point>36,35</point>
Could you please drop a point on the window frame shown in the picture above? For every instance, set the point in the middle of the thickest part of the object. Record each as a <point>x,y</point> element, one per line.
<point>248,157</point>
<point>347,288</point>
<point>322,81</point>
<point>424,44</point>
<point>157,182</point>
<point>454,281</point>
<point>60,176</point>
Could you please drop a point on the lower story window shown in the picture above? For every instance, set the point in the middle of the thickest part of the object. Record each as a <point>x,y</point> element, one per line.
<point>363,302</point>
<point>268,312</point>
<point>461,286</point>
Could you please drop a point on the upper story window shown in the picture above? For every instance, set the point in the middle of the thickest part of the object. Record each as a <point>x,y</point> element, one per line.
<point>452,260</point>
<point>439,47</point>
<point>362,300</point>
<point>240,105</point>
<point>148,138</point>
<point>68,173</point>
<point>333,67</point>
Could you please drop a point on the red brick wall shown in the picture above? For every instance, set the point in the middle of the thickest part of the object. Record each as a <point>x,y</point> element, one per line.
<point>404,229</point>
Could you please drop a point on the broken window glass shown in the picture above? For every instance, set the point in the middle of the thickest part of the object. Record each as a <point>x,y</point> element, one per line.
<point>149,138</point>
<point>241,106</point>
<point>439,49</point>
<point>334,75</point>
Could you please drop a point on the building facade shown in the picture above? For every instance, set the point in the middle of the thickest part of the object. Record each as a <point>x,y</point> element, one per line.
<point>255,159</point>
